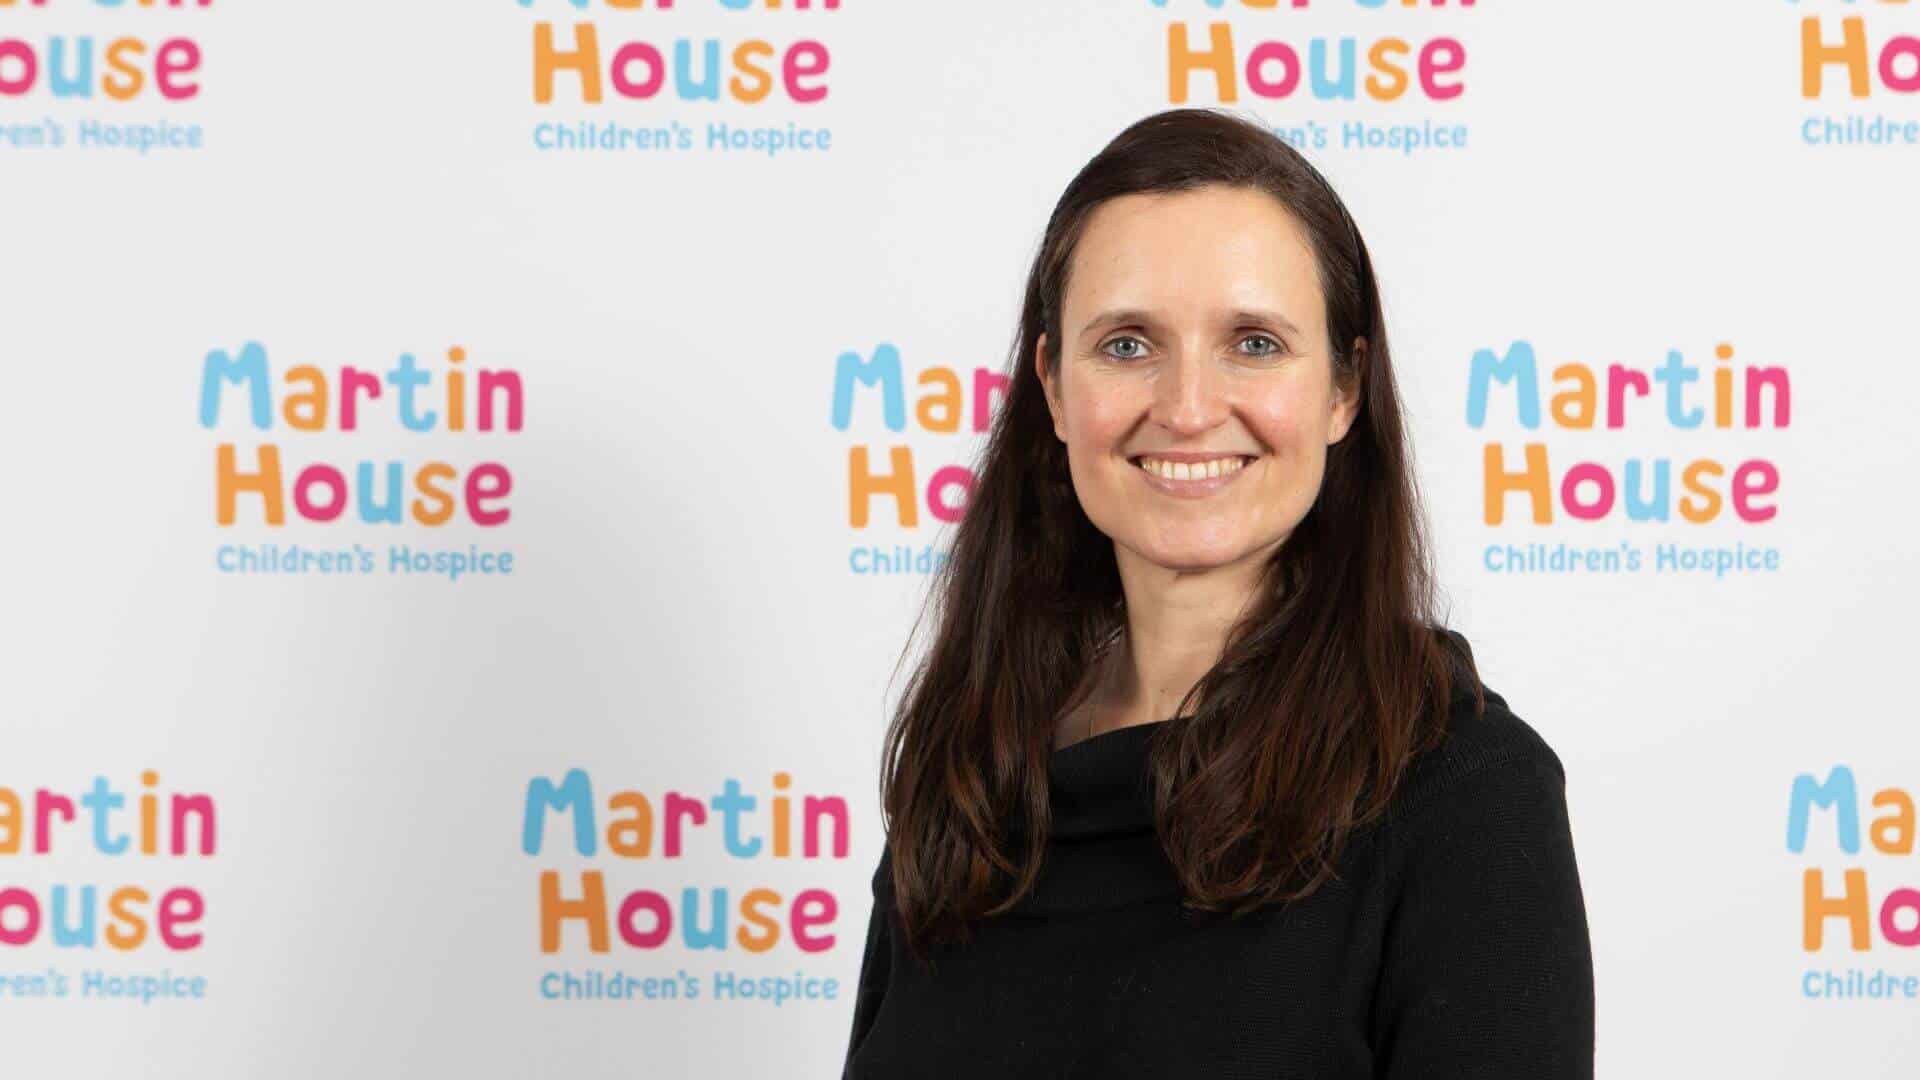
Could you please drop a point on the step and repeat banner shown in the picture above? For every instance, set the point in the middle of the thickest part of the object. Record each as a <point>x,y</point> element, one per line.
<point>471,468</point>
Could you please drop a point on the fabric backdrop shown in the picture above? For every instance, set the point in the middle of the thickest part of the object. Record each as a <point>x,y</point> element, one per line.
<point>470,470</point>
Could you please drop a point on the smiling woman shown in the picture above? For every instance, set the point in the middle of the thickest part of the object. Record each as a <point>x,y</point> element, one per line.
<point>1190,781</point>
<point>1193,331</point>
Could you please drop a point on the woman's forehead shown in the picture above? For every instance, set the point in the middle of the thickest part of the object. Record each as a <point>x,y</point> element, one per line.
<point>1212,252</point>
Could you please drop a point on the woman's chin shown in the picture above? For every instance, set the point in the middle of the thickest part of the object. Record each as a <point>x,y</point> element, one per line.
<point>1196,557</point>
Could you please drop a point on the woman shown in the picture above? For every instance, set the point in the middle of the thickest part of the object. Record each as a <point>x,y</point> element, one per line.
<point>1190,783</point>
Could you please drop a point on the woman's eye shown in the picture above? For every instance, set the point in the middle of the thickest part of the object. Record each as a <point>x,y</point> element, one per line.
<point>1275,349</point>
<point>1272,346</point>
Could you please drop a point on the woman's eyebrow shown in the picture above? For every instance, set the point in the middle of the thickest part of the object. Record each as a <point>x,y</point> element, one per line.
<point>1121,316</point>
<point>1118,317</point>
<point>1247,315</point>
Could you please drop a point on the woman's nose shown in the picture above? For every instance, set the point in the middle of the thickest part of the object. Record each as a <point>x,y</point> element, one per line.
<point>1190,391</point>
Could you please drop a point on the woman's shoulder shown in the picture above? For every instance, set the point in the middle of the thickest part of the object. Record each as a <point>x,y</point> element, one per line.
<point>882,881</point>
<point>1486,752</point>
<point>1492,794</point>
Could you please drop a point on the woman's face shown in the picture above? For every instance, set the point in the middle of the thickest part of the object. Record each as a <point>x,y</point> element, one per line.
<point>1195,392</point>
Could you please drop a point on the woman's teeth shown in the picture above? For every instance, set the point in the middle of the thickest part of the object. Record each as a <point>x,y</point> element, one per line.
<point>1197,470</point>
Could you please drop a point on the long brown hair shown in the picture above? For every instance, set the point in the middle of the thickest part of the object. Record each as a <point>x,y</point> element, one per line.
<point>1334,678</point>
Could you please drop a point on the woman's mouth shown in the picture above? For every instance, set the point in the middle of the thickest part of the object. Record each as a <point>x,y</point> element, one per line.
<point>1190,477</point>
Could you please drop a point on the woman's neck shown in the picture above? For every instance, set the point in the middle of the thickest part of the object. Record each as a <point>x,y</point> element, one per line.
<point>1177,627</point>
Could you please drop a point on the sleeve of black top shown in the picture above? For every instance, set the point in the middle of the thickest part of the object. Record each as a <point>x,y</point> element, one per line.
<point>873,980</point>
<point>1488,967</point>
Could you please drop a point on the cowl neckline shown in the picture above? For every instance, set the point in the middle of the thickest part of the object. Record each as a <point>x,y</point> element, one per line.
<point>1102,850</point>
<point>1099,785</point>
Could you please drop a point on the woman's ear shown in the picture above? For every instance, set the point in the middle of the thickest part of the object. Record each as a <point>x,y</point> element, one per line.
<point>1346,394</point>
<point>1047,384</point>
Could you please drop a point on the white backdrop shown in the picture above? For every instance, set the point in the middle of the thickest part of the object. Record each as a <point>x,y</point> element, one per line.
<point>690,602</point>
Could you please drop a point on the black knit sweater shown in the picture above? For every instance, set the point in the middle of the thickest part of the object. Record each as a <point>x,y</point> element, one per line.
<point>1455,944</point>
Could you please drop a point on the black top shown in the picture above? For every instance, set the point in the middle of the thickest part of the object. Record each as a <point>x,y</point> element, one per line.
<point>1455,946</point>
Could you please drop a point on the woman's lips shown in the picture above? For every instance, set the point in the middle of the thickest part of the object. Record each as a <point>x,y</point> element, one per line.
<point>1192,488</point>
